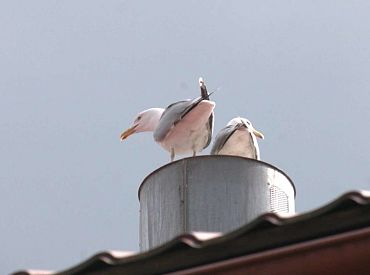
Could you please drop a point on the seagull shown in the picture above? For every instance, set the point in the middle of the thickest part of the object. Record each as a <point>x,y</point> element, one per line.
<point>238,138</point>
<point>183,127</point>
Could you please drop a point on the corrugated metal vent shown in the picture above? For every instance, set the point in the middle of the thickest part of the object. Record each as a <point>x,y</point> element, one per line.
<point>278,200</point>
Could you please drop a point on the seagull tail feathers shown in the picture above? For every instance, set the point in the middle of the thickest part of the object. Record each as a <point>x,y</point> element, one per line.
<point>203,89</point>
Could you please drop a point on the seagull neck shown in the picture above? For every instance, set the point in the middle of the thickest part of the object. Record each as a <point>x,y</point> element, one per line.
<point>155,118</point>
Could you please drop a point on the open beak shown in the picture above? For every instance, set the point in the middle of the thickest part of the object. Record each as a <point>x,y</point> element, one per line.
<point>128,132</point>
<point>258,134</point>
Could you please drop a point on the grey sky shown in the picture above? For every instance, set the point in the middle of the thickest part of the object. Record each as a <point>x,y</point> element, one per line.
<point>75,73</point>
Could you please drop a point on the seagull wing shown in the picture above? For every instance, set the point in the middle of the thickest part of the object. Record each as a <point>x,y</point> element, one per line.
<point>255,146</point>
<point>172,115</point>
<point>205,95</point>
<point>223,136</point>
<point>210,130</point>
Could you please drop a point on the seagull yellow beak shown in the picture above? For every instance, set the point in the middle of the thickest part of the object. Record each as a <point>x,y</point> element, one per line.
<point>258,134</point>
<point>128,132</point>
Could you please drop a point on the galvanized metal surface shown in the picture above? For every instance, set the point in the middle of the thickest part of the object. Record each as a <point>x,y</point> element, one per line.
<point>209,193</point>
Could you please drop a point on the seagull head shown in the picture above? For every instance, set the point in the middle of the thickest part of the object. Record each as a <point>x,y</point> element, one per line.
<point>145,121</point>
<point>247,124</point>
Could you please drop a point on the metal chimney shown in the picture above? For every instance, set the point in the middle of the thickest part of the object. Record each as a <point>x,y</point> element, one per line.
<point>209,193</point>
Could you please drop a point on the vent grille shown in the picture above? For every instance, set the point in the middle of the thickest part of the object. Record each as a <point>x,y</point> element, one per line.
<point>278,200</point>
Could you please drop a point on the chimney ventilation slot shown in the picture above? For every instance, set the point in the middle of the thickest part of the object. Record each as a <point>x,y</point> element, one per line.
<point>278,200</point>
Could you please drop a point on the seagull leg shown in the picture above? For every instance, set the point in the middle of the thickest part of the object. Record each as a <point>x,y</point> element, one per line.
<point>194,153</point>
<point>172,154</point>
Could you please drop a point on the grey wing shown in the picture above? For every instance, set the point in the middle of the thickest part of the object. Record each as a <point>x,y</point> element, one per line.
<point>209,127</point>
<point>255,146</point>
<point>204,94</point>
<point>173,114</point>
<point>222,137</point>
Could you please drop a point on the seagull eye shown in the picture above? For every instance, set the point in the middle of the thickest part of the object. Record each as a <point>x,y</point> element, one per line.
<point>137,119</point>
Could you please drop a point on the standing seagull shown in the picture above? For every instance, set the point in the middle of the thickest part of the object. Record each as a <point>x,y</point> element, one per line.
<point>180,128</point>
<point>238,138</point>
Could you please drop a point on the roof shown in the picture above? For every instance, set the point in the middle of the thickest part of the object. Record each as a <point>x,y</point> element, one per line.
<point>269,231</point>
<point>343,253</point>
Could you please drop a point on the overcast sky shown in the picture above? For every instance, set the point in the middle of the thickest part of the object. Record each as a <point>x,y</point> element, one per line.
<point>75,73</point>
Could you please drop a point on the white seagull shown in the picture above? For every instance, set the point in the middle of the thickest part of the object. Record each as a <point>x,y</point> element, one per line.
<point>238,138</point>
<point>183,127</point>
